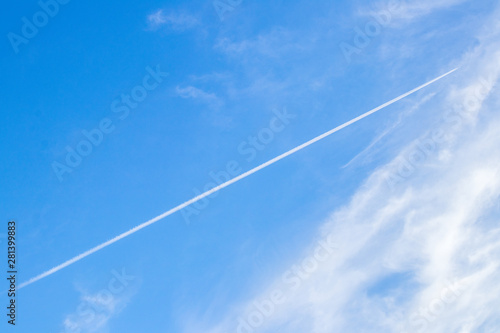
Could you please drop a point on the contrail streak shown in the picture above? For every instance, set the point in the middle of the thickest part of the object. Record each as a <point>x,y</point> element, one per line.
<point>221,186</point>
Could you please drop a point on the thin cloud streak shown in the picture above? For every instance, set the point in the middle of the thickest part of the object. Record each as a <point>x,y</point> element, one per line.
<point>388,130</point>
<point>223,185</point>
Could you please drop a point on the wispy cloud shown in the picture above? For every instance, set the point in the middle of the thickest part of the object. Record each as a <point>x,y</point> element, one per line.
<point>173,21</point>
<point>273,44</point>
<point>95,310</point>
<point>94,313</point>
<point>408,10</point>
<point>191,92</point>
<point>365,153</point>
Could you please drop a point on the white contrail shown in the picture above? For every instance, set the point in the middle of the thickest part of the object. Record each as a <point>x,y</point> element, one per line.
<point>221,186</point>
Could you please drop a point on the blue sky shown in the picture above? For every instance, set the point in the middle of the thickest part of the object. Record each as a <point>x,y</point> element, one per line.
<point>403,205</point>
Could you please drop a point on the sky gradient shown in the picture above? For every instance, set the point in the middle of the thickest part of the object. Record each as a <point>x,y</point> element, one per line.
<point>115,113</point>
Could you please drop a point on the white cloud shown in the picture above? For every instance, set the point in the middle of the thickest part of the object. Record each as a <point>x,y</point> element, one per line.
<point>172,21</point>
<point>93,313</point>
<point>95,310</point>
<point>192,92</point>
<point>274,44</point>
<point>408,10</point>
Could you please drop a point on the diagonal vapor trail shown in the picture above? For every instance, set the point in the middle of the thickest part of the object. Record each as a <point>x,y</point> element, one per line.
<point>221,186</point>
